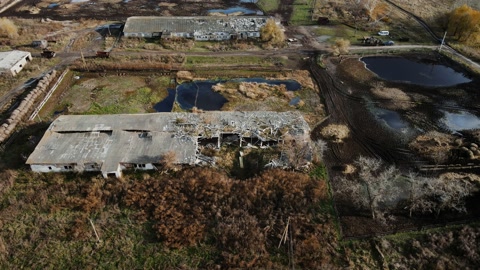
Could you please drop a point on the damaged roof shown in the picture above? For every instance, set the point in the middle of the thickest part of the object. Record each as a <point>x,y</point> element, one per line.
<point>232,24</point>
<point>145,138</point>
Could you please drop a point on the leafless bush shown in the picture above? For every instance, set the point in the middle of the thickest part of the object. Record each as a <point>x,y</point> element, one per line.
<point>297,152</point>
<point>335,132</point>
<point>376,188</point>
<point>169,160</point>
<point>434,195</point>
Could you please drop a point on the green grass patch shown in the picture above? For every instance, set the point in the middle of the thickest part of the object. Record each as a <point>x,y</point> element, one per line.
<point>268,5</point>
<point>193,61</point>
<point>302,13</point>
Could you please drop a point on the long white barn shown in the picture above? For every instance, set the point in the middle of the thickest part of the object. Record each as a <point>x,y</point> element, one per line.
<point>198,28</point>
<point>112,143</point>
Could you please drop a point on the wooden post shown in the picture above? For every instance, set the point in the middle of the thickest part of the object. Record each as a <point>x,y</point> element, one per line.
<point>94,230</point>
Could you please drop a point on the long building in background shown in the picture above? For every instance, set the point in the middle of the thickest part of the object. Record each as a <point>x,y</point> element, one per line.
<point>198,28</point>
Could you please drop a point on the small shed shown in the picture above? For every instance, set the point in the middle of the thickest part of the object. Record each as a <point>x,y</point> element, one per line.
<point>42,44</point>
<point>12,62</point>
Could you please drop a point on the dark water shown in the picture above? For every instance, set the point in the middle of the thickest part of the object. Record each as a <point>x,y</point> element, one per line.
<point>414,72</point>
<point>166,105</point>
<point>392,119</point>
<point>201,95</point>
<point>245,11</point>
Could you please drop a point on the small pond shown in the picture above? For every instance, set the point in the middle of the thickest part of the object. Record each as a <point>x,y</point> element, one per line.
<point>166,105</point>
<point>200,94</point>
<point>53,5</point>
<point>391,119</point>
<point>231,10</point>
<point>414,72</point>
<point>460,121</point>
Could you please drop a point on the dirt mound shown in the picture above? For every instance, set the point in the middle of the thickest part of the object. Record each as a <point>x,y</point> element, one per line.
<point>395,99</point>
<point>253,90</point>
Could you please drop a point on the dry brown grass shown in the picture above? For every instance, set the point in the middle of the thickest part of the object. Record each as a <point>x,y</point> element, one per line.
<point>336,133</point>
<point>8,28</point>
<point>434,146</point>
<point>394,98</point>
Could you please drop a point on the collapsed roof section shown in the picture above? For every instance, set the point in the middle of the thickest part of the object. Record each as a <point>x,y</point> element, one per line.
<point>111,142</point>
<point>206,24</point>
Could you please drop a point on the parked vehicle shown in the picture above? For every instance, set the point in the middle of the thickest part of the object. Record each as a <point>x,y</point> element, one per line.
<point>48,54</point>
<point>389,43</point>
<point>383,33</point>
<point>103,54</point>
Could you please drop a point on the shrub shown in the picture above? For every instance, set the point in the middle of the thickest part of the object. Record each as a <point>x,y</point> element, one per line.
<point>8,28</point>
<point>335,132</point>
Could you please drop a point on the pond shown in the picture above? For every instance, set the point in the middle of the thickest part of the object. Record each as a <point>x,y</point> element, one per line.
<point>53,5</point>
<point>166,105</point>
<point>231,10</point>
<point>414,71</point>
<point>458,121</point>
<point>200,94</point>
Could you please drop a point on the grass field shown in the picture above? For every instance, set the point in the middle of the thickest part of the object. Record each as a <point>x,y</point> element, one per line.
<point>269,5</point>
<point>302,13</point>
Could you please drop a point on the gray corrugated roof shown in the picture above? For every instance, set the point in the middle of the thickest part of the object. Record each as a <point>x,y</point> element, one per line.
<point>193,24</point>
<point>145,138</point>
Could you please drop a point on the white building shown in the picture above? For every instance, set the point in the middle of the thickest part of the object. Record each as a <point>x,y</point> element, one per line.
<point>112,143</point>
<point>12,62</point>
<point>198,28</point>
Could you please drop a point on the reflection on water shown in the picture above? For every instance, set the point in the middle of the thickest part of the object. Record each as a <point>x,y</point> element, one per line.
<point>231,10</point>
<point>200,94</point>
<point>391,119</point>
<point>414,72</point>
<point>460,121</point>
<point>166,105</point>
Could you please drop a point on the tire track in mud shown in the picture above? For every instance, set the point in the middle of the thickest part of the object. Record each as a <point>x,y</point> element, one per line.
<point>335,106</point>
<point>336,102</point>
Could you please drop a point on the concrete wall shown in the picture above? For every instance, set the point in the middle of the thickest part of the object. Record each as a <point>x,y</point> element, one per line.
<point>52,168</point>
<point>14,70</point>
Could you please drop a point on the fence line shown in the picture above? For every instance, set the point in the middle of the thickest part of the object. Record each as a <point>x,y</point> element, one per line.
<point>49,94</point>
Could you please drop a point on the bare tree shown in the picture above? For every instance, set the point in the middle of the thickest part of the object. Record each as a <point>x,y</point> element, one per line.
<point>434,195</point>
<point>376,188</point>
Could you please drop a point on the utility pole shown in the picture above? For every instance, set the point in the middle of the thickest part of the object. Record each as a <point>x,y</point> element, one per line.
<point>443,41</point>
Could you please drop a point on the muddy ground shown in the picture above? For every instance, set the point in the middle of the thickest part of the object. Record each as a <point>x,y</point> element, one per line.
<point>350,99</point>
<point>117,9</point>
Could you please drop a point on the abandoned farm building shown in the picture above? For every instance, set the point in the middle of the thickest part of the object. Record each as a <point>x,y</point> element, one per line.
<point>198,28</point>
<point>12,62</point>
<point>112,143</point>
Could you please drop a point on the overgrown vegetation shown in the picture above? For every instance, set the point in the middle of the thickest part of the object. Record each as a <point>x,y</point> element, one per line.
<point>195,218</point>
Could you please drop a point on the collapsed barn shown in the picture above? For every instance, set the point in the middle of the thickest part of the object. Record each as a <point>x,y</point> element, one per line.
<point>198,28</point>
<point>112,143</point>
